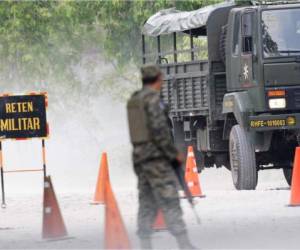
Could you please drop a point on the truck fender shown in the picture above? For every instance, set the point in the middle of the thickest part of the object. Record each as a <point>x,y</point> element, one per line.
<point>239,105</point>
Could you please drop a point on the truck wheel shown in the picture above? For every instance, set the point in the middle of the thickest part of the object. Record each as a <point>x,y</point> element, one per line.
<point>288,173</point>
<point>242,160</point>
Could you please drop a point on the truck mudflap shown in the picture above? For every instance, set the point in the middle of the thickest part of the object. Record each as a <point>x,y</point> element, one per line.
<point>274,122</point>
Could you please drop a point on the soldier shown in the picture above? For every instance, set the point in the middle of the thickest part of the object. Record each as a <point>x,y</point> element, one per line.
<point>154,154</point>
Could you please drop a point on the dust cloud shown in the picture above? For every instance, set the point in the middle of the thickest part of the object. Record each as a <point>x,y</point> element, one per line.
<point>85,120</point>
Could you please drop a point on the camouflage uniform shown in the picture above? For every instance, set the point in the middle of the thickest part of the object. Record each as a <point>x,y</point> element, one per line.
<point>157,182</point>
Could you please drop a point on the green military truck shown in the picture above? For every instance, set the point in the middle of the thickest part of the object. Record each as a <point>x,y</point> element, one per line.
<point>238,101</point>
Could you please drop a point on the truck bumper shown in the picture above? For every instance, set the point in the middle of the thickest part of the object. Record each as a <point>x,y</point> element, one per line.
<point>274,122</point>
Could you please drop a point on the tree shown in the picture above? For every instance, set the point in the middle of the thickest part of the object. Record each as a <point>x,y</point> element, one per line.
<point>42,40</point>
<point>122,21</point>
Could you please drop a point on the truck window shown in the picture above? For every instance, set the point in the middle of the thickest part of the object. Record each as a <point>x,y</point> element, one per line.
<point>247,39</point>
<point>281,32</point>
<point>236,34</point>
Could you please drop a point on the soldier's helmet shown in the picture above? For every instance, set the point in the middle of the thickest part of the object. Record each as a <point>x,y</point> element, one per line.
<point>150,73</point>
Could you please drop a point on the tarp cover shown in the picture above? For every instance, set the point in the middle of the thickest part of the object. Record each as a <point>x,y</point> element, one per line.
<point>171,20</point>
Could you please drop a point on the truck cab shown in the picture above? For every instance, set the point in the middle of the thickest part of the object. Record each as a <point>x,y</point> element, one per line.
<point>240,106</point>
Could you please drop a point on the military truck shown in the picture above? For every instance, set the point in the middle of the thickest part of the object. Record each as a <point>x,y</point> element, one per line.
<point>238,102</point>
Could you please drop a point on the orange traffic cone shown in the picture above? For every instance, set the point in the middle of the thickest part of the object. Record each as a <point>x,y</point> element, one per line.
<point>53,223</point>
<point>103,176</point>
<point>159,223</point>
<point>191,174</point>
<point>295,188</point>
<point>115,232</point>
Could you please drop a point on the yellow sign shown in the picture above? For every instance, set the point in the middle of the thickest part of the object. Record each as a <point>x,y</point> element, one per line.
<point>290,121</point>
<point>20,124</point>
<point>23,116</point>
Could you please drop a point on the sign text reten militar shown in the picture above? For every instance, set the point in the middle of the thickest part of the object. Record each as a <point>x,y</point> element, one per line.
<point>23,116</point>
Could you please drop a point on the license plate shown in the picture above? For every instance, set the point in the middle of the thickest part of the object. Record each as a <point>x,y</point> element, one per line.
<point>268,123</point>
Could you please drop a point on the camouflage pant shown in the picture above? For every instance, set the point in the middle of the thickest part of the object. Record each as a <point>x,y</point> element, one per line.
<point>158,190</point>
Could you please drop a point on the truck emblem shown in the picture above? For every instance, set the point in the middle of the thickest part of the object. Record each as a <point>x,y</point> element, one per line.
<point>246,72</point>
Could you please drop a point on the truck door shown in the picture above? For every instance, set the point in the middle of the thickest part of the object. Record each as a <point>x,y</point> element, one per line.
<point>239,66</point>
<point>246,66</point>
<point>235,59</point>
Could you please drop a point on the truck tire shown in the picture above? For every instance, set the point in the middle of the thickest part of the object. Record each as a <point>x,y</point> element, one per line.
<point>242,160</point>
<point>288,173</point>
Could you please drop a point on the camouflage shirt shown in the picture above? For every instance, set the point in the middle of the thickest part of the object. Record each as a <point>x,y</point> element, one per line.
<point>161,144</point>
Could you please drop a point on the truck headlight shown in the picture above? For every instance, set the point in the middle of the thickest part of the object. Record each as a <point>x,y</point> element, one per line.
<point>277,103</point>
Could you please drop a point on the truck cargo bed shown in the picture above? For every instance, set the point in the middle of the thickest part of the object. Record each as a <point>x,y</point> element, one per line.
<point>185,88</point>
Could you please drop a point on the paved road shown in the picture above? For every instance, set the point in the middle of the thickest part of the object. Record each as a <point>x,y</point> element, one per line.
<point>230,219</point>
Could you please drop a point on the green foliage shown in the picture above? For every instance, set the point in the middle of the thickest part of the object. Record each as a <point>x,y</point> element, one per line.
<point>123,20</point>
<point>243,2</point>
<point>42,40</point>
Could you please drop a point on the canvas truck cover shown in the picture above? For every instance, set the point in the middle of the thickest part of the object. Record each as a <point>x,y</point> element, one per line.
<point>171,20</point>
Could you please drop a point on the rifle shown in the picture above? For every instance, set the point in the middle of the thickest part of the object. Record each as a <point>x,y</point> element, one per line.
<point>180,176</point>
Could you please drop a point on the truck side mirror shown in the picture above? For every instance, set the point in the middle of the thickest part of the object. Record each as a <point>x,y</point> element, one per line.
<point>247,33</point>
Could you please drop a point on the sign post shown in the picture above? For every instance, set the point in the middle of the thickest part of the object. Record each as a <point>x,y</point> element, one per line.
<point>3,204</point>
<point>44,157</point>
<point>22,117</point>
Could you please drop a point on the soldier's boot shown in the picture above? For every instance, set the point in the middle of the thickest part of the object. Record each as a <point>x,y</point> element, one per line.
<point>183,242</point>
<point>145,243</point>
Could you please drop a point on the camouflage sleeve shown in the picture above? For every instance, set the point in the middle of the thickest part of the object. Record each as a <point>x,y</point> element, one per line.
<point>159,128</point>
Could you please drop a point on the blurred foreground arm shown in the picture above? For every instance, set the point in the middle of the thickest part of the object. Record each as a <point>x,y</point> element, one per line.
<point>159,128</point>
